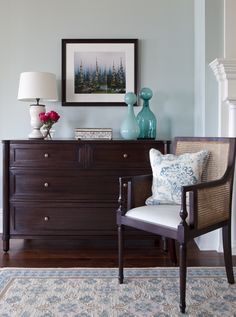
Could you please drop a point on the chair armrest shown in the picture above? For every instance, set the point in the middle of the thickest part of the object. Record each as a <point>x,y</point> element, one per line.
<point>210,202</point>
<point>133,191</point>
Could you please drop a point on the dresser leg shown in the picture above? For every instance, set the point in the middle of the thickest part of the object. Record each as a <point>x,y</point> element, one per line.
<point>6,245</point>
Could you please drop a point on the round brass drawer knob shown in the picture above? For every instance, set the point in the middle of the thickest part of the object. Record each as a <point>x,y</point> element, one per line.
<point>124,185</point>
<point>46,218</point>
<point>46,185</point>
<point>125,155</point>
<point>46,155</point>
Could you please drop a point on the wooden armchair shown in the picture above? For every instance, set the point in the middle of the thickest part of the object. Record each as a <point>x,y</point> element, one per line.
<point>209,205</point>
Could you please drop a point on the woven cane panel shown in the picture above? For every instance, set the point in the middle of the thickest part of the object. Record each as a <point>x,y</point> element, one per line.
<point>218,159</point>
<point>213,205</point>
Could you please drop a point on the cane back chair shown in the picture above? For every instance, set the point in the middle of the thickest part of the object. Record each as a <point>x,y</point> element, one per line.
<point>209,205</point>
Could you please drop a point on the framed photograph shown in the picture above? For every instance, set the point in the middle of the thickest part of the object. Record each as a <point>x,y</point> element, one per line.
<point>98,72</point>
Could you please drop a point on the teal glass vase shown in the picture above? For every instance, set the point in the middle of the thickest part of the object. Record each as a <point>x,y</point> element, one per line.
<point>129,129</point>
<point>146,119</point>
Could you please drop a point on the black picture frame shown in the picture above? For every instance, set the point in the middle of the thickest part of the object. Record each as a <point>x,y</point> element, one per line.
<point>98,72</point>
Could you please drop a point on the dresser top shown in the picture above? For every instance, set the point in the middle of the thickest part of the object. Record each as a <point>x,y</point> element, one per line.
<point>41,141</point>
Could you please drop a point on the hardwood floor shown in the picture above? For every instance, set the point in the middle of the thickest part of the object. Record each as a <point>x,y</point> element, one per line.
<point>99,253</point>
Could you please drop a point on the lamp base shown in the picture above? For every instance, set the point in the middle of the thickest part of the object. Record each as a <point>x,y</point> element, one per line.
<point>35,122</point>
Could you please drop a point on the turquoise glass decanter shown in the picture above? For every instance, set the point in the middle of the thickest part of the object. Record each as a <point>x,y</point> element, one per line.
<point>129,129</point>
<point>146,119</point>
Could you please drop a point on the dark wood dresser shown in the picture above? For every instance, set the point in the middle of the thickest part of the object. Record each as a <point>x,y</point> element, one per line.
<point>67,188</point>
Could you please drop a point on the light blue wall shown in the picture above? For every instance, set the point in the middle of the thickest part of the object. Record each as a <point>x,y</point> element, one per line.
<point>214,49</point>
<point>209,26</point>
<point>31,33</point>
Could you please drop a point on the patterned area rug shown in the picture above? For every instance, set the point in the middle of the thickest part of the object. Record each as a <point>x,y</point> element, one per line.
<point>96,292</point>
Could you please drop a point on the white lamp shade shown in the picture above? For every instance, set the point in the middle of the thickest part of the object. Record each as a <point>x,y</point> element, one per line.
<point>35,85</point>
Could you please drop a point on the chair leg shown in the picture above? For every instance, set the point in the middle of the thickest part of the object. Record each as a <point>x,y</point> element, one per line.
<point>182,275</point>
<point>172,250</point>
<point>226,234</point>
<point>120,254</point>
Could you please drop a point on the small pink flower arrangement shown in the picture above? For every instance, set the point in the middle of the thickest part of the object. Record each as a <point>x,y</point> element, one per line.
<point>48,119</point>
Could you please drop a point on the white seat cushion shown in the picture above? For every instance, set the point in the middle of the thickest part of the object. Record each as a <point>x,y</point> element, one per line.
<point>164,215</point>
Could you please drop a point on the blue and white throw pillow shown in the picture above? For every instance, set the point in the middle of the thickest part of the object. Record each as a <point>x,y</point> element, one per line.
<point>171,172</point>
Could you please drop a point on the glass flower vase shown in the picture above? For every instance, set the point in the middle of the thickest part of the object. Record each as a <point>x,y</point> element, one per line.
<point>47,132</point>
<point>146,119</point>
<point>48,135</point>
<point>129,129</point>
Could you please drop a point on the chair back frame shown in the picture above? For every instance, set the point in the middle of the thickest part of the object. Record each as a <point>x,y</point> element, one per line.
<point>221,160</point>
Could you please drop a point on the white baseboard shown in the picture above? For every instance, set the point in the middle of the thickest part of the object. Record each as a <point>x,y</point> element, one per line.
<point>234,247</point>
<point>208,242</point>
<point>213,242</point>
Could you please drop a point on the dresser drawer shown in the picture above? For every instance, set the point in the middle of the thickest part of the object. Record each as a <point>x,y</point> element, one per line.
<point>45,155</point>
<point>65,185</point>
<point>48,187</point>
<point>123,155</point>
<point>62,219</point>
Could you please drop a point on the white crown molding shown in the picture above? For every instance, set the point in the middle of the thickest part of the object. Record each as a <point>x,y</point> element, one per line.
<point>225,72</point>
<point>231,103</point>
<point>224,68</point>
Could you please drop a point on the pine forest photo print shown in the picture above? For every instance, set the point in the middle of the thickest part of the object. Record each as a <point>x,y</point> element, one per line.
<point>98,72</point>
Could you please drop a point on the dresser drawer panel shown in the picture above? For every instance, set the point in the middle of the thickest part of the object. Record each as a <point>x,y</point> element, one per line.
<point>83,185</point>
<point>45,155</point>
<point>59,219</point>
<point>126,155</point>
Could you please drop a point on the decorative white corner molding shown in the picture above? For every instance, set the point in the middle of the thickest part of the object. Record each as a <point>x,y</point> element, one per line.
<point>225,72</point>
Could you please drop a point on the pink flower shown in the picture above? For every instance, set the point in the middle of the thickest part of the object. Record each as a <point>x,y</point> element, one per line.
<point>54,116</point>
<point>49,118</point>
<point>44,117</point>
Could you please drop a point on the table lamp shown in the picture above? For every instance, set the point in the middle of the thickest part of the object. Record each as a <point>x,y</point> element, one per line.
<point>35,86</point>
